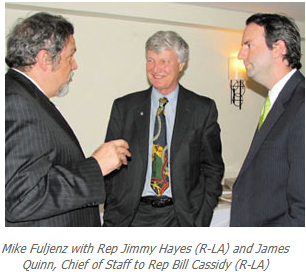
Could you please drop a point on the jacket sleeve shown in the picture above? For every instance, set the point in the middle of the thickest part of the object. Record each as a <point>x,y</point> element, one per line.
<point>44,175</point>
<point>114,124</point>
<point>212,165</point>
<point>114,131</point>
<point>296,179</point>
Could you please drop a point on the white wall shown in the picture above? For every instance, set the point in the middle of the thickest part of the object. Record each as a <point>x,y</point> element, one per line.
<point>110,54</point>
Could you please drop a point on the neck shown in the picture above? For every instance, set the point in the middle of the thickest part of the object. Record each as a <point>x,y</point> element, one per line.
<point>278,71</point>
<point>41,80</point>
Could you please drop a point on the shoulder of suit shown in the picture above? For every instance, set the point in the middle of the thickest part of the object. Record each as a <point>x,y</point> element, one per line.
<point>135,96</point>
<point>18,87</point>
<point>299,94</point>
<point>12,85</point>
<point>297,83</point>
<point>195,96</point>
<point>298,78</point>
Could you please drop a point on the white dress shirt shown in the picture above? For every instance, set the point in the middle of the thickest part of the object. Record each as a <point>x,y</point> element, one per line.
<point>276,89</point>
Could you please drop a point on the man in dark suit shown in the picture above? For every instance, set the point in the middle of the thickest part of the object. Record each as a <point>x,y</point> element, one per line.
<point>270,188</point>
<point>48,180</point>
<point>161,187</point>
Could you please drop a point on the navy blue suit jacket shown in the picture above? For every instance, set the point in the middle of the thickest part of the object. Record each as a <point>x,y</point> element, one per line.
<point>270,188</point>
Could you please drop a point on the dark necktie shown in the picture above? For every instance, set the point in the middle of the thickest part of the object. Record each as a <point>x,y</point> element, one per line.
<point>160,173</point>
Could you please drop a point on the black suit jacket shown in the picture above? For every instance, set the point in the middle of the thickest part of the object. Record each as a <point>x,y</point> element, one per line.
<point>196,164</point>
<point>48,181</point>
<point>270,188</point>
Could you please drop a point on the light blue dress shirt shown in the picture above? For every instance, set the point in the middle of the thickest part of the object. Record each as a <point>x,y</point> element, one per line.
<point>170,111</point>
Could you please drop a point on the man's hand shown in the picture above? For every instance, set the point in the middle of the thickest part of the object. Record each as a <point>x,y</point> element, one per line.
<point>111,155</point>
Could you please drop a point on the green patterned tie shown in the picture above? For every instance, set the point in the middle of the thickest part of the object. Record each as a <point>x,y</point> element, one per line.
<point>160,172</point>
<point>264,112</point>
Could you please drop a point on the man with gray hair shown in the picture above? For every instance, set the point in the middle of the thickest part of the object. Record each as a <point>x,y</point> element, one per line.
<point>48,180</point>
<point>174,176</point>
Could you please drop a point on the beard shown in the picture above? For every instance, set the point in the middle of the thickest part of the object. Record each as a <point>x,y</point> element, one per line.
<point>64,89</point>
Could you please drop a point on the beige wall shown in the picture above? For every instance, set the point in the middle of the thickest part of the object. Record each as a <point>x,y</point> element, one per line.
<point>110,41</point>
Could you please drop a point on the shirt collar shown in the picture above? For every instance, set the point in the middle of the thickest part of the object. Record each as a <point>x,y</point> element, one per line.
<point>25,75</point>
<point>276,89</point>
<point>172,96</point>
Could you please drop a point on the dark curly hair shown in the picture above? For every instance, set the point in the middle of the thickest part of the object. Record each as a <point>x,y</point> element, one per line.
<point>41,31</point>
<point>279,27</point>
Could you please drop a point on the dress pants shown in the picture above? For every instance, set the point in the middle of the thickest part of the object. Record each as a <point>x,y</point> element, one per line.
<point>149,216</point>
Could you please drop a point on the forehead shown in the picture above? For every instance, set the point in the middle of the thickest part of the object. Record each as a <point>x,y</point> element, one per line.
<point>253,32</point>
<point>169,54</point>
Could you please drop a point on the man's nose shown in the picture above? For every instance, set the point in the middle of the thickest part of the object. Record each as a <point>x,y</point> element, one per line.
<point>74,65</point>
<point>242,54</point>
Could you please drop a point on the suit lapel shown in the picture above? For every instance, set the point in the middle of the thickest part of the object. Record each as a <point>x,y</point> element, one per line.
<point>59,119</point>
<point>260,135</point>
<point>45,103</point>
<point>273,116</point>
<point>142,122</point>
<point>184,110</point>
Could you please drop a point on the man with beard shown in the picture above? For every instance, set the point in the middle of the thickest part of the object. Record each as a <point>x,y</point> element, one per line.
<point>48,180</point>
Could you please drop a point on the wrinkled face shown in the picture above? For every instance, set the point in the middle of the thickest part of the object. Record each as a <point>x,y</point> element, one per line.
<point>163,70</point>
<point>62,73</point>
<point>257,57</point>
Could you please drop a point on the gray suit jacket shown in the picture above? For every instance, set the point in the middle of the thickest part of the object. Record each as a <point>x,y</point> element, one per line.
<point>270,188</point>
<point>48,181</point>
<point>196,163</point>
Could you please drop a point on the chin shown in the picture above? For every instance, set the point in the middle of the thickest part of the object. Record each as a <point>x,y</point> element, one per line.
<point>63,91</point>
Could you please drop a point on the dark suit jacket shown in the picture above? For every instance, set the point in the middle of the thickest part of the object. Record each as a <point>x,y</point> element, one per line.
<point>48,181</point>
<point>270,188</point>
<point>196,163</point>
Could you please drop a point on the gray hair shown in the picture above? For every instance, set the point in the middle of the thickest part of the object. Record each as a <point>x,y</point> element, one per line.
<point>41,31</point>
<point>168,40</point>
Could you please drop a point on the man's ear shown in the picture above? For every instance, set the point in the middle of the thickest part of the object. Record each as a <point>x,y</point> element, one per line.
<point>43,59</point>
<point>182,65</point>
<point>279,49</point>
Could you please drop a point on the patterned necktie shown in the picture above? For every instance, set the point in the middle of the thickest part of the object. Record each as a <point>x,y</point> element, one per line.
<point>264,112</point>
<point>160,173</point>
